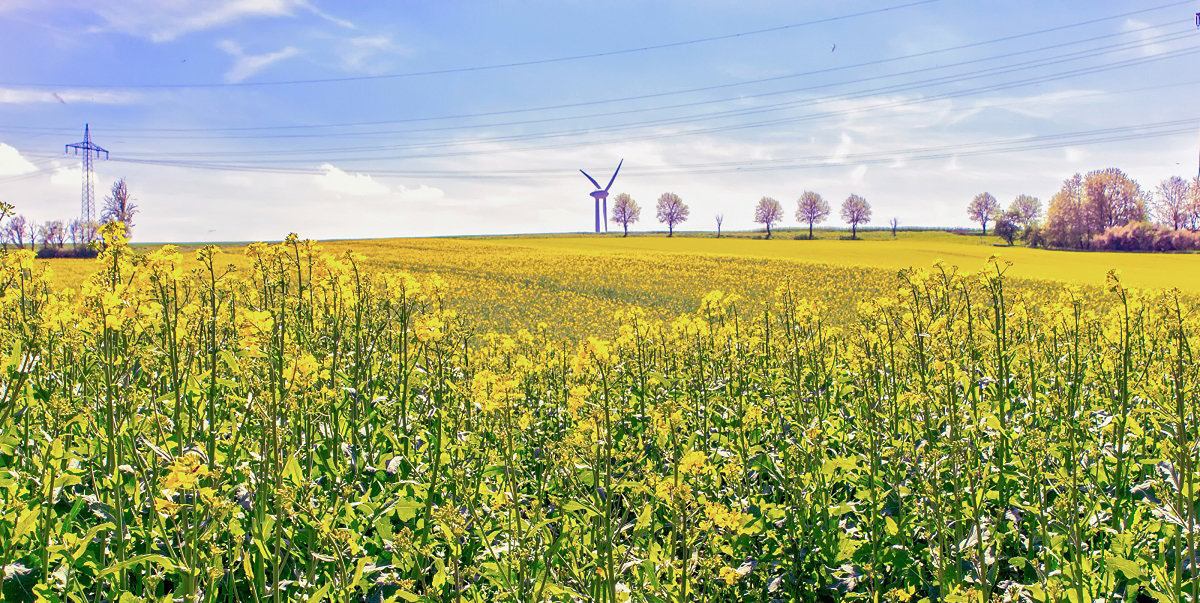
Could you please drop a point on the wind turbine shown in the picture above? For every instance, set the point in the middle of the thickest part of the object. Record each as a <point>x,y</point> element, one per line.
<point>601,195</point>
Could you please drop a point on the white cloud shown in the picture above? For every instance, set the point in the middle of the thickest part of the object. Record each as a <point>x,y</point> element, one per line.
<point>842,150</point>
<point>17,96</point>
<point>1145,33</point>
<point>337,180</point>
<point>421,193</point>
<point>858,173</point>
<point>67,177</point>
<point>246,65</point>
<point>12,163</point>
<point>163,21</point>
<point>366,54</point>
<point>1074,154</point>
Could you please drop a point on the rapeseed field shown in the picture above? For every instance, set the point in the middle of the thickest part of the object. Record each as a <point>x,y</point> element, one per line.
<point>512,420</point>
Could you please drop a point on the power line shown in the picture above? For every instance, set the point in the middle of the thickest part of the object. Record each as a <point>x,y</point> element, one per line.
<point>1081,54</point>
<point>495,66</point>
<point>1046,141</point>
<point>714,129</point>
<point>673,92</point>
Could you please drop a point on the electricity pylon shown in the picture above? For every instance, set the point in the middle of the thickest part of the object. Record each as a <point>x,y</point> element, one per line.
<point>87,201</point>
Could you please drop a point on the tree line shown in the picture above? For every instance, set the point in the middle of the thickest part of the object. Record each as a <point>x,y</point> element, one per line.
<point>811,208</point>
<point>1103,210</point>
<point>53,235</point>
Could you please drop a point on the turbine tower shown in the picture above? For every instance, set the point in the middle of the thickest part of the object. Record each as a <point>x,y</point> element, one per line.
<point>87,202</point>
<point>601,195</point>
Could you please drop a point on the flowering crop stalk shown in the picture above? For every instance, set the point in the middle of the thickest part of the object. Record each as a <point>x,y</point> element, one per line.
<point>1122,416</point>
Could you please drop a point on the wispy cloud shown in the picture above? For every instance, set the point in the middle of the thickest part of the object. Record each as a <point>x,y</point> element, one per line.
<point>165,21</point>
<point>17,96</point>
<point>1146,34</point>
<point>246,65</point>
<point>842,150</point>
<point>368,54</point>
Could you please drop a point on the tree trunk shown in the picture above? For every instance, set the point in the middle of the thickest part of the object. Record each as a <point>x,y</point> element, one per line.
<point>853,231</point>
<point>768,230</point>
<point>626,229</point>
<point>810,231</point>
<point>670,229</point>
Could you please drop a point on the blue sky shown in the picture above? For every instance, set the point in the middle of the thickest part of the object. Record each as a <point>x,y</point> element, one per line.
<point>249,119</point>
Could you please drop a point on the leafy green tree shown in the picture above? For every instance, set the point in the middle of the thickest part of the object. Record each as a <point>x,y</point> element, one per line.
<point>1007,226</point>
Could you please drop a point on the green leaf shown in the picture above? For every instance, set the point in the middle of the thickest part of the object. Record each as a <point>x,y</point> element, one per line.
<point>292,472</point>
<point>320,594</point>
<point>26,523</point>
<point>1131,569</point>
<point>645,517</point>
<point>406,509</point>
<point>845,463</point>
<point>574,505</point>
<point>891,526</point>
<point>167,564</point>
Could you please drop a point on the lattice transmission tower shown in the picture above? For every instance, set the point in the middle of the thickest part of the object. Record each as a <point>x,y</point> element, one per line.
<point>87,201</point>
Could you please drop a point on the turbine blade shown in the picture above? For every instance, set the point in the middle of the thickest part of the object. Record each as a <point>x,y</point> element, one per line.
<point>614,176</point>
<point>590,178</point>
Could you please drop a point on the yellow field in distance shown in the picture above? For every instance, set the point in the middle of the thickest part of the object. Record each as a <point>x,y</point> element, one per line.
<point>880,250</point>
<point>573,284</point>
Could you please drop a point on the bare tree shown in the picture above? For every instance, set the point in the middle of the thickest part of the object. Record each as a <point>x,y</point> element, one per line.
<point>811,208</point>
<point>983,208</point>
<point>1194,205</point>
<point>768,212</point>
<point>625,211</point>
<point>855,211</point>
<point>720,220</point>
<point>91,230</point>
<point>15,230</point>
<point>55,233</point>
<point>41,232</point>
<point>671,211</point>
<point>75,231</point>
<point>1025,210</point>
<point>895,223</point>
<point>119,207</point>
<point>1172,202</point>
<point>6,210</point>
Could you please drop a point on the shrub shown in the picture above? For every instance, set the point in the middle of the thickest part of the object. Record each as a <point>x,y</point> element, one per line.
<point>1144,236</point>
<point>83,252</point>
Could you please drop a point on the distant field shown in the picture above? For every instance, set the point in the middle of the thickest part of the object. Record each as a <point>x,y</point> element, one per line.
<point>880,250</point>
<point>575,283</point>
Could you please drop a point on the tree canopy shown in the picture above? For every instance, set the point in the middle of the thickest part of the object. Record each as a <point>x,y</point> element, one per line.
<point>855,211</point>
<point>671,211</point>
<point>768,212</point>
